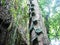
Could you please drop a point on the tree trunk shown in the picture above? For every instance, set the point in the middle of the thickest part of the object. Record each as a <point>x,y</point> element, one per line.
<point>5,20</point>
<point>8,35</point>
<point>36,21</point>
<point>13,37</point>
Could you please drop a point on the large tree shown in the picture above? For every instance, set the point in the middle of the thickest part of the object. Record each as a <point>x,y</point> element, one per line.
<point>37,27</point>
<point>14,23</point>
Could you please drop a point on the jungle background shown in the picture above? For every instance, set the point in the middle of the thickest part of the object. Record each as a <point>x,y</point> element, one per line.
<point>14,21</point>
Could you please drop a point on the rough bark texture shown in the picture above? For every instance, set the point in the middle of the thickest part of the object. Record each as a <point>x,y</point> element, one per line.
<point>14,37</point>
<point>8,36</point>
<point>42,38</point>
<point>5,20</point>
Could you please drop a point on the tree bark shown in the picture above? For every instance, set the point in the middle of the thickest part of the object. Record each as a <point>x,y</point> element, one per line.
<point>42,38</point>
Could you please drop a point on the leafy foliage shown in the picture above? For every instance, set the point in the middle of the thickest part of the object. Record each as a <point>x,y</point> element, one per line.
<point>55,26</point>
<point>54,21</point>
